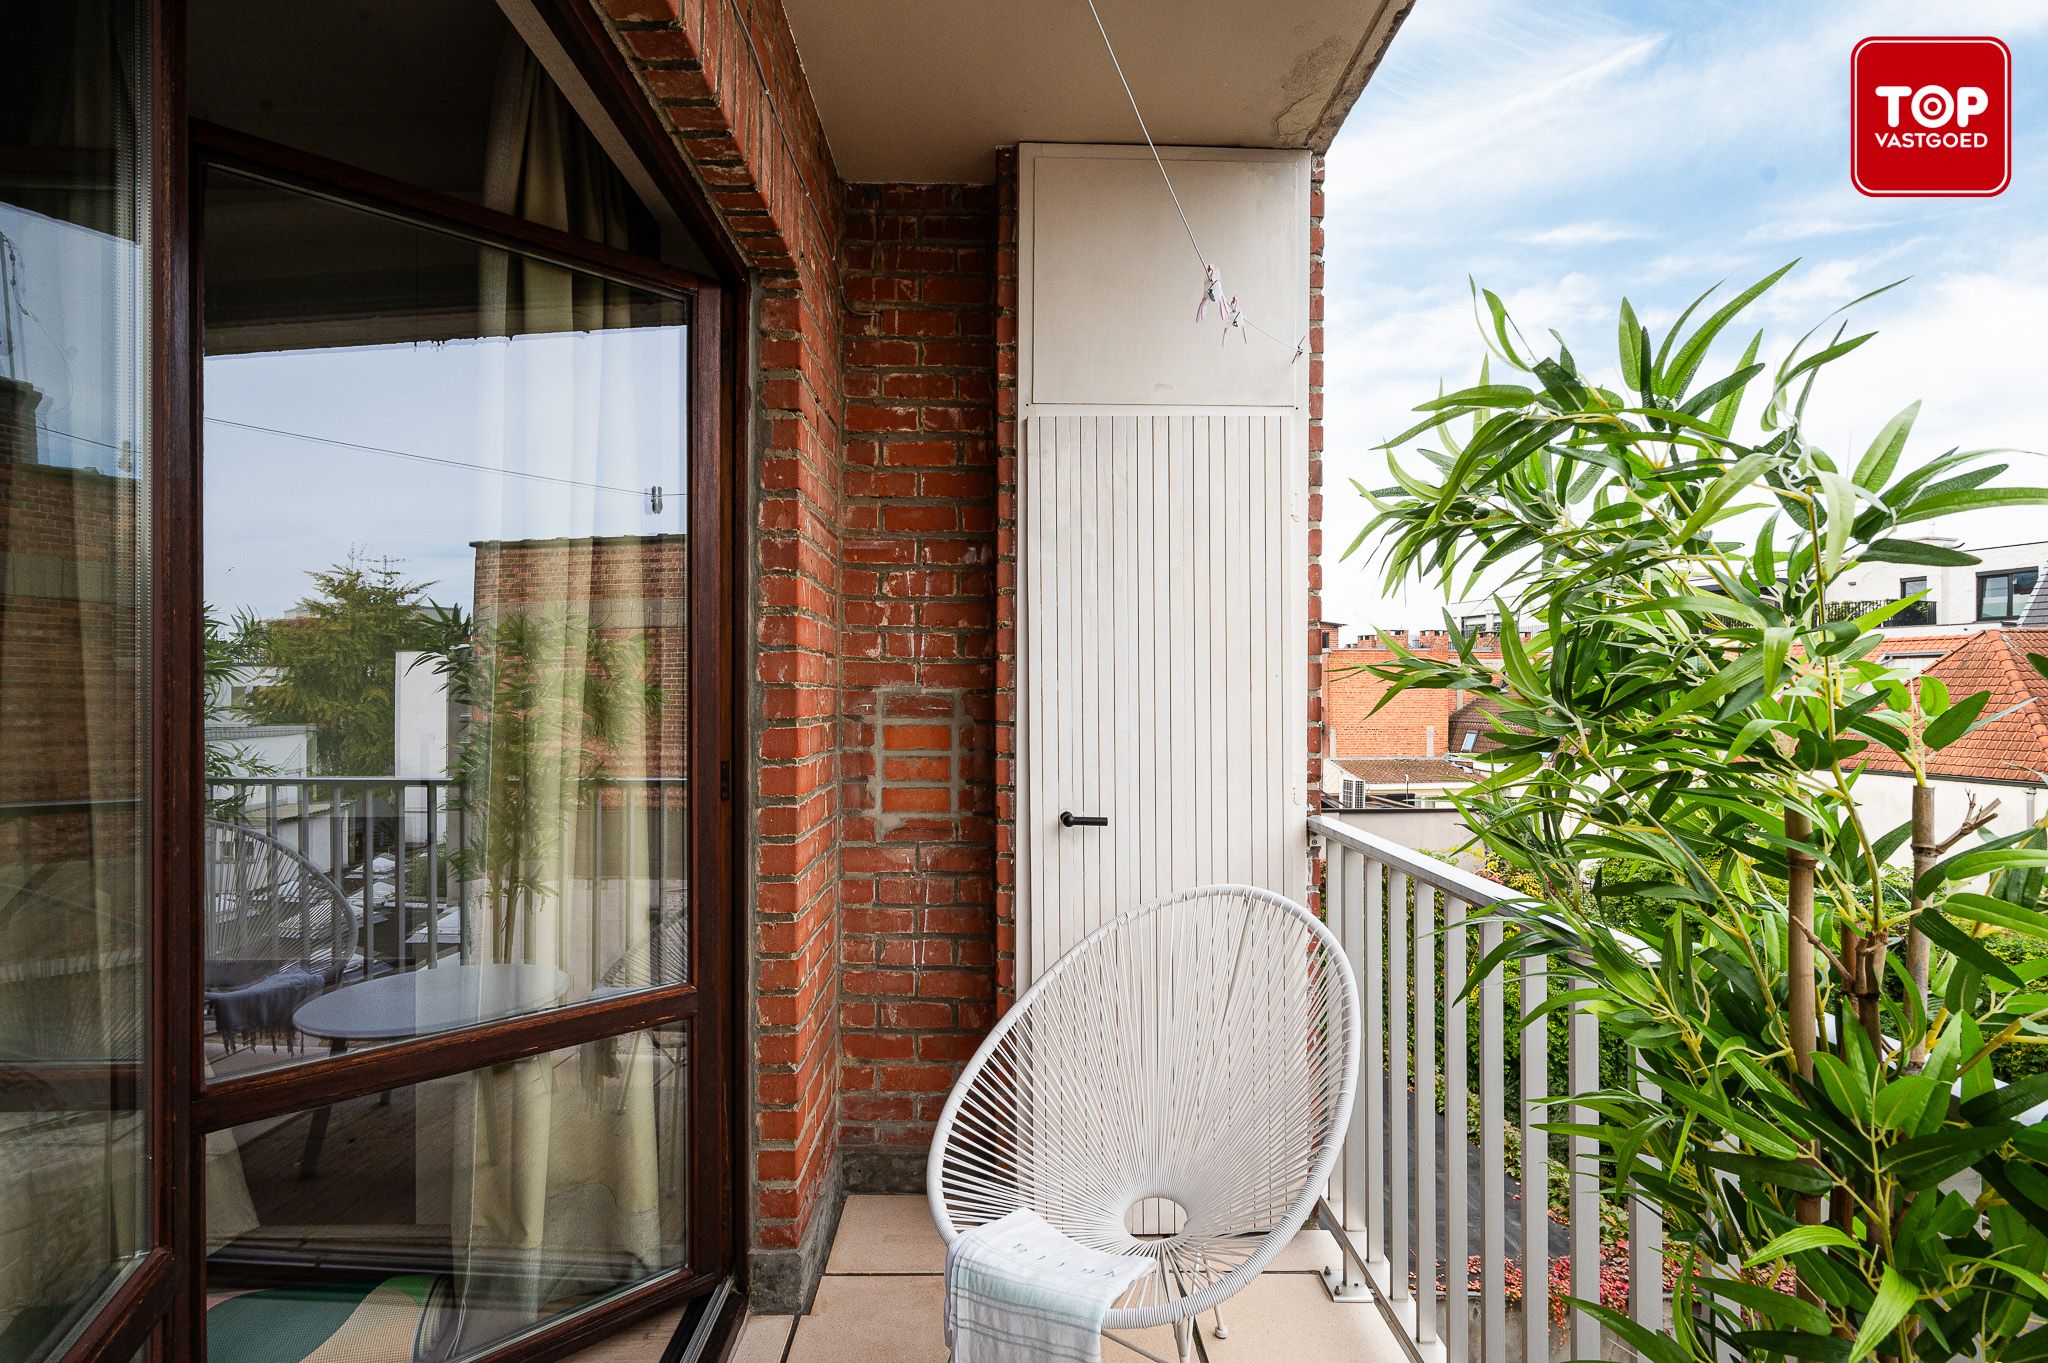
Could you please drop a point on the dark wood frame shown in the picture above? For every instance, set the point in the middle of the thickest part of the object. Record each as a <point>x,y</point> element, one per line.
<point>159,1302</point>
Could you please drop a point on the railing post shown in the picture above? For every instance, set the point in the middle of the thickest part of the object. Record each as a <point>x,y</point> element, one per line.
<point>1493,1154</point>
<point>1401,1167</point>
<point>1583,1032</point>
<point>1374,1058</point>
<point>1535,1168</point>
<point>433,875</point>
<point>1343,919</point>
<point>1457,1168</point>
<point>1424,975</point>
<point>401,911</point>
<point>1646,1248</point>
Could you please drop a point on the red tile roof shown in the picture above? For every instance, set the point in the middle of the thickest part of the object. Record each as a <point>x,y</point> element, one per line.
<point>1394,771</point>
<point>2014,748</point>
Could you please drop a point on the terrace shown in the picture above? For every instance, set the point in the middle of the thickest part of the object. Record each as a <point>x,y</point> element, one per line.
<point>595,590</point>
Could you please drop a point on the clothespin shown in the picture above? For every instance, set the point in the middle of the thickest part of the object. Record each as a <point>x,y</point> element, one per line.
<point>1233,320</point>
<point>1212,292</point>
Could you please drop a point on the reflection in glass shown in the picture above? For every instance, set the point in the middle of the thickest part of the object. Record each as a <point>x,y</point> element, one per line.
<point>73,460</point>
<point>445,575</point>
<point>441,1218</point>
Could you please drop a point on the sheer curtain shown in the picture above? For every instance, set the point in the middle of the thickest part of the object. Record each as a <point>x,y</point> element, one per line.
<point>556,1171</point>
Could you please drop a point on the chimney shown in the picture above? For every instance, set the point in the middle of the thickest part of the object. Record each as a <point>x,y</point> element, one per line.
<point>19,401</point>
<point>1429,740</point>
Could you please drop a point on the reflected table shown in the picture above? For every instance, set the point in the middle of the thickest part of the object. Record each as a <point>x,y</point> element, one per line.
<point>420,1003</point>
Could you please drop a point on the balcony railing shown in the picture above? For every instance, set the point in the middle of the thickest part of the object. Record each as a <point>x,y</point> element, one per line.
<point>392,844</point>
<point>1412,927</point>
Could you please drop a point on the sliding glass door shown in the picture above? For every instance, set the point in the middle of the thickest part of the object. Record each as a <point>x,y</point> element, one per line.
<point>463,1070</point>
<point>78,1169</point>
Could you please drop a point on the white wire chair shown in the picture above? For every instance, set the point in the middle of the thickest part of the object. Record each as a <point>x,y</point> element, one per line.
<point>1176,1086</point>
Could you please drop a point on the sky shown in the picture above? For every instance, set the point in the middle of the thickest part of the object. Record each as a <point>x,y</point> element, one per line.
<point>533,437</point>
<point>1571,153</point>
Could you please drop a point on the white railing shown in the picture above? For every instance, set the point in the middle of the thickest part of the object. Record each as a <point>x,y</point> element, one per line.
<point>392,845</point>
<point>1412,927</point>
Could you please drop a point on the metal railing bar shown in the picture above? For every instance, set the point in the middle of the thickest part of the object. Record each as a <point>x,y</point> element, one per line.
<point>1457,1167</point>
<point>1424,972</point>
<point>1398,1158</point>
<point>1535,1168</point>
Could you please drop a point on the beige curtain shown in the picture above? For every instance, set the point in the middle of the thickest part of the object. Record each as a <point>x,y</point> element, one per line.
<point>556,1166</point>
<point>543,165</point>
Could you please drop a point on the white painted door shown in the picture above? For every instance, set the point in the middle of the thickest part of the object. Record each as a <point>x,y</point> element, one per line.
<point>1164,575</point>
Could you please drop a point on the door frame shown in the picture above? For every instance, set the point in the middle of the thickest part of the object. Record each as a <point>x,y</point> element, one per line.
<point>158,1302</point>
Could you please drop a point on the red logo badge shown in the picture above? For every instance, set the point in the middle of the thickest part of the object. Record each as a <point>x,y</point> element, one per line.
<point>1930,117</point>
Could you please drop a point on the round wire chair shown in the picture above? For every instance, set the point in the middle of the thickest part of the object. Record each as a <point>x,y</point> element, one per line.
<point>1175,1087</point>
<point>278,929</point>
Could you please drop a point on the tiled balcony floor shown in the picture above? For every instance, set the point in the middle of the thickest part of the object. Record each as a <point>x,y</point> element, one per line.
<point>883,1296</point>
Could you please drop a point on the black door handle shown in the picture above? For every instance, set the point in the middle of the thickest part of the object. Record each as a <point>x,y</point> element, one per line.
<point>1071,820</point>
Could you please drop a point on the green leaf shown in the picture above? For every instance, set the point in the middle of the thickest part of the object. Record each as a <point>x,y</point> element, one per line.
<point>1895,1299</point>
<point>1800,1240</point>
<point>1971,499</point>
<point>1739,476</point>
<point>1796,1344</point>
<point>1687,362</point>
<point>1955,721</point>
<point>1777,1307</point>
<point>1780,1173</point>
<point>1507,395</point>
<point>2007,1103</point>
<point>1915,552</point>
<point>2002,913</point>
<point>1840,496</point>
<point>1883,455</point>
<point>1657,1347</point>
<point>1633,344</point>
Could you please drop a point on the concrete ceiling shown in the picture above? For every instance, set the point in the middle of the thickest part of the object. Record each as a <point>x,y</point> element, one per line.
<point>924,91</point>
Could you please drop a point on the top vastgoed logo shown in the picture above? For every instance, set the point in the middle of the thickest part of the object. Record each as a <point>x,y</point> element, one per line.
<point>1930,117</point>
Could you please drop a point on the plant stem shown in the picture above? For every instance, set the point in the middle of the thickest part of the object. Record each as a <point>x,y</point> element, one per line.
<point>1803,989</point>
<point>1924,852</point>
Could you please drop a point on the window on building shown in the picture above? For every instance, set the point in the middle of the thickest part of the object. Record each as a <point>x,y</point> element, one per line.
<point>1920,612</point>
<point>2004,595</point>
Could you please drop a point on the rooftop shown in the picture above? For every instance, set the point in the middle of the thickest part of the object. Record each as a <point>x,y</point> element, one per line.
<point>2011,748</point>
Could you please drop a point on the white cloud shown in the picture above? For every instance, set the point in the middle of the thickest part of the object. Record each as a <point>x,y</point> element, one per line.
<point>1570,154</point>
<point>1590,233</point>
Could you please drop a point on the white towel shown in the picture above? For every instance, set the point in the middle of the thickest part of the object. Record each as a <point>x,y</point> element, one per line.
<point>1018,1291</point>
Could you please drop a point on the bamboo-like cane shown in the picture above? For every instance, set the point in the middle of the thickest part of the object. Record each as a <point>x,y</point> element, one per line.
<point>1804,990</point>
<point>1924,853</point>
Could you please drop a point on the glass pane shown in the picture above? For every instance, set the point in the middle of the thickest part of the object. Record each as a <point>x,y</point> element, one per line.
<point>440,1218</point>
<point>74,915</point>
<point>1995,598</point>
<point>446,621</point>
<point>441,94</point>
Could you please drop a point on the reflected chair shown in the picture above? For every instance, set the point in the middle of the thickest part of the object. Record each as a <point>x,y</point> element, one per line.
<point>279,930</point>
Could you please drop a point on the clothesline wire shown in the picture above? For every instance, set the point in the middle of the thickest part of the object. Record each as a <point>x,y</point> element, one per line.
<point>1160,162</point>
<point>425,458</point>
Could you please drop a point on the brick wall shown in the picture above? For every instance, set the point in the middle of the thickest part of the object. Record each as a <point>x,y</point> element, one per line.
<point>916,938</point>
<point>69,657</point>
<point>727,76</point>
<point>872,656</point>
<point>632,589</point>
<point>1416,723</point>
